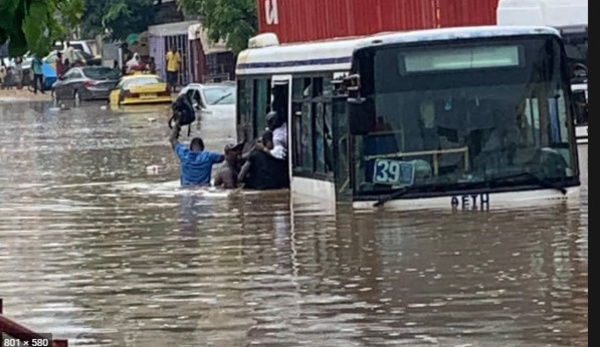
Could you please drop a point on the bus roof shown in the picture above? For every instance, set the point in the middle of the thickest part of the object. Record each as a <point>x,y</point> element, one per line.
<point>330,55</point>
<point>456,34</point>
<point>336,55</point>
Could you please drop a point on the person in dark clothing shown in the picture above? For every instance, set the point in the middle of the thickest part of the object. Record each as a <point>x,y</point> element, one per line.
<point>227,177</point>
<point>263,172</point>
<point>61,67</point>
<point>151,66</point>
<point>38,75</point>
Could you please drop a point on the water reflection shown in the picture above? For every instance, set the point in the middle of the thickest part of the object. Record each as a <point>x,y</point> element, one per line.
<point>94,249</point>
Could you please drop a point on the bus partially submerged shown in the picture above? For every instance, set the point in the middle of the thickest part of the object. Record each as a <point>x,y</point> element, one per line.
<point>460,118</point>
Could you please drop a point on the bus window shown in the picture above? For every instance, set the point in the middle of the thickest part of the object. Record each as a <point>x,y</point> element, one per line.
<point>319,137</point>
<point>581,107</point>
<point>244,111</point>
<point>307,138</point>
<point>341,146</point>
<point>297,130</point>
<point>328,136</point>
<point>313,126</point>
<point>297,89</point>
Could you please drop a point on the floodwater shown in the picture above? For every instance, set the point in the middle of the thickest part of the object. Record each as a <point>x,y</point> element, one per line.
<point>96,248</point>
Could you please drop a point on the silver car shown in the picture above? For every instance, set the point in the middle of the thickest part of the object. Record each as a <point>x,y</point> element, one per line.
<point>86,83</point>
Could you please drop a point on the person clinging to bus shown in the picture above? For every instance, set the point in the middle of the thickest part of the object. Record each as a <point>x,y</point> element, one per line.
<point>278,128</point>
<point>262,171</point>
<point>227,177</point>
<point>196,163</point>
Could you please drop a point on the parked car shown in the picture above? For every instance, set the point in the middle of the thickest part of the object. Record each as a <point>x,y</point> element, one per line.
<point>86,83</point>
<point>140,88</point>
<point>218,98</point>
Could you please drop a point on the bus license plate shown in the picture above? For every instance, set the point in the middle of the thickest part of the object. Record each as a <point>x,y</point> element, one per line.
<point>394,172</point>
<point>147,96</point>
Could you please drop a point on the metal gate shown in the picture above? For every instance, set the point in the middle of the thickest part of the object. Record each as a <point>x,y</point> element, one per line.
<point>182,45</point>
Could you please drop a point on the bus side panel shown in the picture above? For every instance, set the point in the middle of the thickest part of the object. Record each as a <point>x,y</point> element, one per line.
<point>313,188</point>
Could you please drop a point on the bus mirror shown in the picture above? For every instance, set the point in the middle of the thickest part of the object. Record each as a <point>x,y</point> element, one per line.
<point>359,114</point>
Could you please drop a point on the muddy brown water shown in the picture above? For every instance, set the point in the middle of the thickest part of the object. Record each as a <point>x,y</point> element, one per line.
<point>97,249</point>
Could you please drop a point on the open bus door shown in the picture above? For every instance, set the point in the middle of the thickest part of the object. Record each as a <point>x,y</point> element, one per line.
<point>281,102</point>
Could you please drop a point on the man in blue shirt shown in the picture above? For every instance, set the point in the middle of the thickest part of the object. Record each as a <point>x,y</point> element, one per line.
<point>196,163</point>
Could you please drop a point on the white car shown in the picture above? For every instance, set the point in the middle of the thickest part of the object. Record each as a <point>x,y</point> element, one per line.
<point>216,99</point>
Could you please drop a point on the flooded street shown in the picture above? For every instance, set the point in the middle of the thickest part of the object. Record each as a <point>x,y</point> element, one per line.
<point>97,248</point>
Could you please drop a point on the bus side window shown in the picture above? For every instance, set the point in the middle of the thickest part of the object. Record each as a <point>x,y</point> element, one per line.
<point>244,111</point>
<point>312,129</point>
<point>297,131</point>
<point>581,108</point>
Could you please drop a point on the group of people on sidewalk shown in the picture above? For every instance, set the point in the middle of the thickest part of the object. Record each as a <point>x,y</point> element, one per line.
<point>11,76</point>
<point>264,167</point>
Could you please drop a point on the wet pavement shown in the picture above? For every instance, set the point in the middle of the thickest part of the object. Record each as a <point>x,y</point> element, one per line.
<point>96,248</point>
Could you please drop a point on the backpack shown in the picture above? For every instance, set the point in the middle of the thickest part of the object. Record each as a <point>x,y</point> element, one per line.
<point>184,111</point>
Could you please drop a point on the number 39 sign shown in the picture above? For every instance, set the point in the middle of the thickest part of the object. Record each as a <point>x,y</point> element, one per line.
<point>394,172</point>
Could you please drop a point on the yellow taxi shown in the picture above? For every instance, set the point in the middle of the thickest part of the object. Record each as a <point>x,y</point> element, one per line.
<point>140,89</point>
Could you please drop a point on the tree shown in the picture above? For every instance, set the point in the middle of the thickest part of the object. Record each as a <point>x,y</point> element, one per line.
<point>119,17</point>
<point>34,25</point>
<point>234,21</point>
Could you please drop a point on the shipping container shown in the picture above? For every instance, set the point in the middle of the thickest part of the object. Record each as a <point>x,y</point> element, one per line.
<point>309,20</point>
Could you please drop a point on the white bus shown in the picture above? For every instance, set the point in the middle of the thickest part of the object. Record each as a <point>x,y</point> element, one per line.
<point>468,118</point>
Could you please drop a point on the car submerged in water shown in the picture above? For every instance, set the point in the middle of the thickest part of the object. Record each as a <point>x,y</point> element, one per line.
<point>85,83</point>
<point>212,99</point>
<point>140,88</point>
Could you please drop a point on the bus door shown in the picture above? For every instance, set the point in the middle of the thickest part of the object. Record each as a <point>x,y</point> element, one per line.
<point>281,102</point>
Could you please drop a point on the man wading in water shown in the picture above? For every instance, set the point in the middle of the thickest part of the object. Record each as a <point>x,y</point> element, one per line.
<point>196,163</point>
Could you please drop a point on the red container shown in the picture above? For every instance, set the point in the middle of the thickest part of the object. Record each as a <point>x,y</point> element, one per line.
<point>309,20</point>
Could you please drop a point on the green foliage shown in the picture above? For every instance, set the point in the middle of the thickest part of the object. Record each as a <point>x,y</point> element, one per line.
<point>234,21</point>
<point>119,17</point>
<point>33,25</point>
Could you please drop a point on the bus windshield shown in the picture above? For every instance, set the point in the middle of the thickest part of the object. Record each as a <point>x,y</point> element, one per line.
<point>454,117</point>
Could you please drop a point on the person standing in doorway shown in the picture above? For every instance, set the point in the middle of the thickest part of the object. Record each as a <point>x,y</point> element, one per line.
<point>173,62</point>
<point>38,75</point>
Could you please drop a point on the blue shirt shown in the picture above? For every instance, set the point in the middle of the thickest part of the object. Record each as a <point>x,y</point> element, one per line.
<point>37,66</point>
<point>196,167</point>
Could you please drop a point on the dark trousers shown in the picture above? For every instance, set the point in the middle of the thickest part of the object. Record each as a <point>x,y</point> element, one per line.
<point>38,79</point>
<point>172,80</point>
